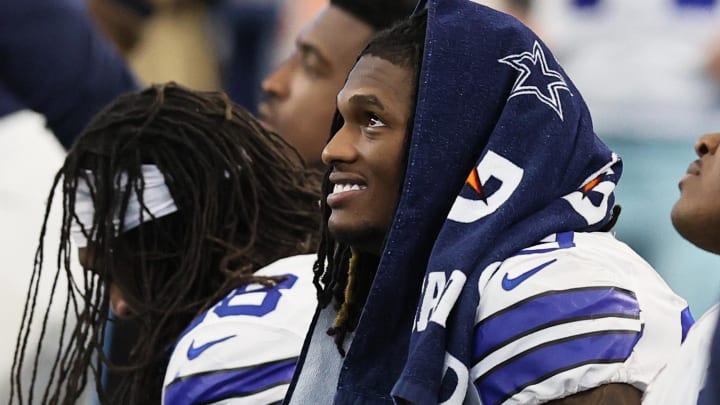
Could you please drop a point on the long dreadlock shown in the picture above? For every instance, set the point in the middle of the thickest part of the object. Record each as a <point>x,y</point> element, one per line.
<point>341,275</point>
<point>244,200</point>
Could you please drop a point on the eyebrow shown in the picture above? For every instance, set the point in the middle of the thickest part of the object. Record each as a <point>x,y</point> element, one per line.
<point>366,99</point>
<point>312,50</point>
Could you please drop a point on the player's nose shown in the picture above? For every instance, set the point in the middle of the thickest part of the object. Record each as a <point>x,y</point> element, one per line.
<point>707,144</point>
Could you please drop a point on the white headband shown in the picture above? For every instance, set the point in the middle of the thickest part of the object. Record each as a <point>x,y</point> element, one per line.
<point>156,197</point>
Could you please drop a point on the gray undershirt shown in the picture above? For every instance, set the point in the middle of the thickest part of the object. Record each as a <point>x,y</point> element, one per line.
<point>318,379</point>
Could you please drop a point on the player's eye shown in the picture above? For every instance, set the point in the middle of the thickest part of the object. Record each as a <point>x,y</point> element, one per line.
<point>373,121</point>
<point>312,65</point>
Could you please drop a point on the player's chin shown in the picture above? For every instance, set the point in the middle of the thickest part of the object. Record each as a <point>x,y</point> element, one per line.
<point>360,238</point>
<point>689,224</point>
<point>679,217</point>
<point>342,229</point>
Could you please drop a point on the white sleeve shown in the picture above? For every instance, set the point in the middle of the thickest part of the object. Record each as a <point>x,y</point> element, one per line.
<point>570,316</point>
<point>232,367</point>
<point>243,350</point>
<point>684,376</point>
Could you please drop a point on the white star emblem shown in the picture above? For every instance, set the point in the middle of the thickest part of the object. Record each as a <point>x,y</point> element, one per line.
<point>522,63</point>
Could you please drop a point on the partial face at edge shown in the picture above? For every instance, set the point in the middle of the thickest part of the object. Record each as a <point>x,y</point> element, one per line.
<point>696,215</point>
<point>300,93</point>
<point>366,154</point>
<point>118,304</point>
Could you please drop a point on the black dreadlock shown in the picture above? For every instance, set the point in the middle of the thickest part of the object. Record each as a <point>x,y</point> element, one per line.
<point>336,274</point>
<point>244,200</point>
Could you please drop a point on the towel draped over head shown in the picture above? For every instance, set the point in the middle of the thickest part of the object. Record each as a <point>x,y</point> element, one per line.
<point>502,154</point>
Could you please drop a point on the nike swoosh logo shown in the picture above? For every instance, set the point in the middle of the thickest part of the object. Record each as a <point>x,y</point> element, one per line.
<point>510,283</point>
<point>194,352</point>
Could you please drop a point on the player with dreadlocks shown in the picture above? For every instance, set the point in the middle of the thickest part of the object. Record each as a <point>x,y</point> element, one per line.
<point>466,219</point>
<point>175,198</point>
<point>347,278</point>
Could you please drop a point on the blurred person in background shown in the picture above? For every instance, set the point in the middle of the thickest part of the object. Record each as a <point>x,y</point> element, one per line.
<point>174,198</point>
<point>56,71</point>
<point>121,21</point>
<point>163,40</point>
<point>300,94</point>
<point>244,37</point>
<point>650,72</point>
<point>177,45</point>
<point>209,44</point>
<point>53,61</point>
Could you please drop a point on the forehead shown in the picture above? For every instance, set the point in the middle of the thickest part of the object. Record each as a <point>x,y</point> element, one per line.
<point>391,83</point>
<point>337,35</point>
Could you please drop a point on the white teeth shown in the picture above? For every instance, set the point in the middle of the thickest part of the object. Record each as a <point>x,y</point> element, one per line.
<point>340,188</point>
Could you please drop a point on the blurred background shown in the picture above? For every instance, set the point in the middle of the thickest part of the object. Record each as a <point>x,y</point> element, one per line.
<point>649,70</point>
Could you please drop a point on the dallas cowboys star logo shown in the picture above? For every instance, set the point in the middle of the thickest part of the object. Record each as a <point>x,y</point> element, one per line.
<point>526,63</point>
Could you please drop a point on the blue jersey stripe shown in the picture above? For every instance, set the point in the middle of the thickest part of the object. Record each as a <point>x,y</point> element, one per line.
<point>551,308</point>
<point>544,361</point>
<point>222,384</point>
<point>565,240</point>
<point>686,322</point>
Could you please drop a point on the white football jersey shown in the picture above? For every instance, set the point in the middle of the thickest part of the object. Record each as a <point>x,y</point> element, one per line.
<point>681,381</point>
<point>576,311</point>
<point>243,350</point>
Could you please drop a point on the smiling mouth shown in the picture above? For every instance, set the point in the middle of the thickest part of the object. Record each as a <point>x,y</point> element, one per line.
<point>341,188</point>
<point>343,191</point>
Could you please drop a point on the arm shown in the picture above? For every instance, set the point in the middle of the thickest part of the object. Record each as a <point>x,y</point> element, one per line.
<point>598,323</point>
<point>609,394</point>
<point>55,62</point>
<point>245,347</point>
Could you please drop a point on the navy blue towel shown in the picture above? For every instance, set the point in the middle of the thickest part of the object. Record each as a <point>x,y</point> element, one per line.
<point>502,154</point>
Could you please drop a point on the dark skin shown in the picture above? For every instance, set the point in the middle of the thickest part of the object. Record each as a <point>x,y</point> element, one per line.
<point>300,94</point>
<point>118,302</point>
<point>608,394</point>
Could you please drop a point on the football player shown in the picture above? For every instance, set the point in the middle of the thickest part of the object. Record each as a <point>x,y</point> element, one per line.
<point>300,93</point>
<point>466,256</point>
<point>176,198</point>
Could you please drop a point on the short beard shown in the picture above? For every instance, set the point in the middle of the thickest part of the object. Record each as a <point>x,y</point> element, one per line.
<point>368,240</point>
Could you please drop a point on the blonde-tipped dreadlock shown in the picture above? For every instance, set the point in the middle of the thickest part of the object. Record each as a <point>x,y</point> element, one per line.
<point>356,289</point>
<point>349,299</point>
